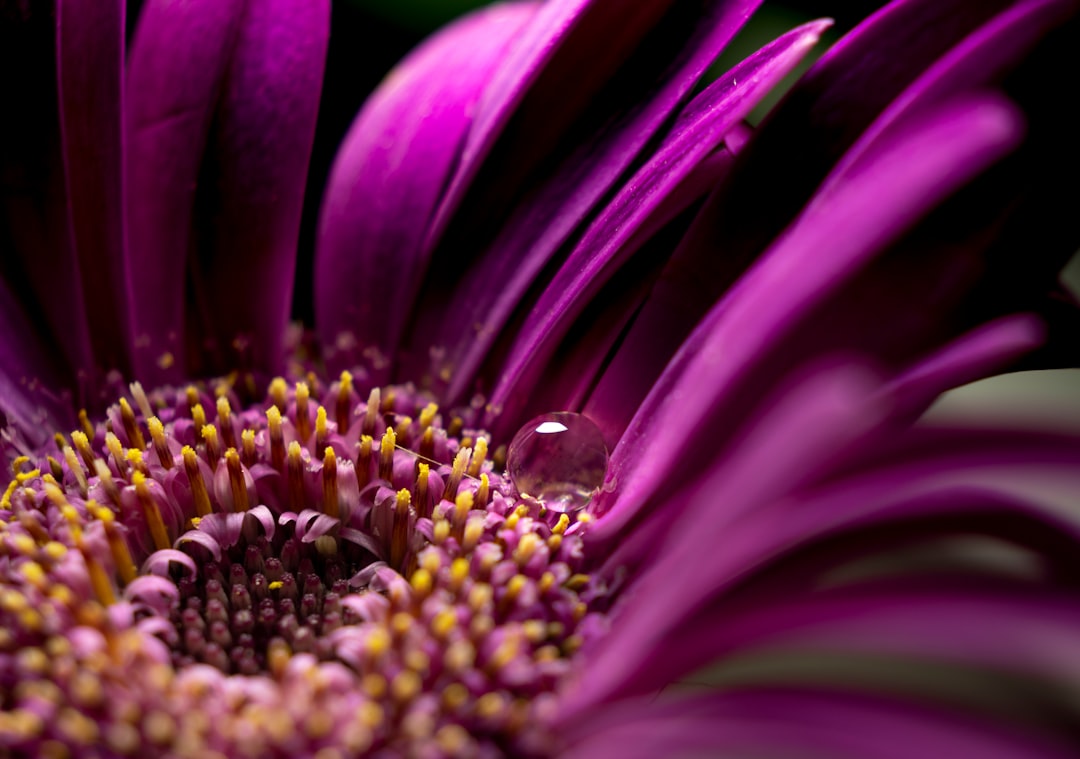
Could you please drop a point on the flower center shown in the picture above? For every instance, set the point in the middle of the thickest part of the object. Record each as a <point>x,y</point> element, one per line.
<point>359,535</point>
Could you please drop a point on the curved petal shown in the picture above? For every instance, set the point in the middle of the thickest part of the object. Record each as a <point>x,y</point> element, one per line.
<point>389,177</point>
<point>699,129</point>
<point>714,380</point>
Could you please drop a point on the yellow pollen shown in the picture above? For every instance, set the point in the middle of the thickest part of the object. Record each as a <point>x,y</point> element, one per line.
<point>237,484</point>
<point>99,578</point>
<point>159,727</point>
<point>584,517</point>
<point>247,446</point>
<point>141,400</point>
<point>374,685</point>
<point>572,644</point>
<point>504,654</point>
<point>576,582</point>
<point>321,432</point>
<point>526,547</point>
<point>401,623</point>
<point>535,630</point>
<point>151,512</point>
<point>213,445</point>
<point>198,416</point>
<point>561,525</point>
<point>453,740</point>
<point>386,454</point>
<point>461,462</point>
<point>224,416</point>
<point>546,583</point>
<point>459,571</point>
<point>195,480</point>
<point>303,421</point>
<point>82,445</point>
<point>363,460</point>
<point>421,582</point>
<point>34,574</point>
<point>402,429</point>
<point>478,457</point>
<point>474,530</point>
<point>76,468</point>
<point>118,547</point>
<point>463,503</point>
<point>423,474</point>
<point>480,596</point>
<point>554,541</point>
<point>427,416</point>
<point>277,439</point>
<point>455,696</point>
<point>491,706</point>
<point>161,446</point>
<point>443,623</point>
<point>191,396</point>
<point>344,401</point>
<point>296,476</point>
<point>378,642</point>
<point>371,714</point>
<point>440,532</point>
<point>483,492</point>
<point>279,394</point>
<point>85,425</point>
<point>460,656</point>
<point>514,587</point>
<point>371,413</point>
<point>116,450</point>
<point>331,505</point>
<point>166,360</point>
<point>135,458</point>
<point>55,551</point>
<point>131,426</point>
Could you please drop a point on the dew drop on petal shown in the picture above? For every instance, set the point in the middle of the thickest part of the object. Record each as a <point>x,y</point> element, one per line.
<point>558,458</point>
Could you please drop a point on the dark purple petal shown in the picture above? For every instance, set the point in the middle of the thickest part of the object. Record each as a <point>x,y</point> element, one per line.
<point>90,66</point>
<point>607,243</point>
<point>202,538</point>
<point>159,562</point>
<point>734,355</point>
<point>390,175</point>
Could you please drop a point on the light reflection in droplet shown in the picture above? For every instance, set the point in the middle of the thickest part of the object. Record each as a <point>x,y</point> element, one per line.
<point>559,459</point>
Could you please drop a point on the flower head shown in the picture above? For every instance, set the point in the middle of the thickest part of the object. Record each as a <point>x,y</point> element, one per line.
<point>362,546</point>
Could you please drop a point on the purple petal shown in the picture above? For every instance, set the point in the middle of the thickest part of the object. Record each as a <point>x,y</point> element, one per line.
<point>160,561</point>
<point>490,289</point>
<point>90,65</point>
<point>202,538</point>
<point>720,372</point>
<point>158,593</point>
<point>606,245</point>
<point>262,81</point>
<point>390,174</point>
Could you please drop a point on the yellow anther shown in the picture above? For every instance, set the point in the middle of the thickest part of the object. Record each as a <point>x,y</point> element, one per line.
<point>378,642</point>
<point>34,574</point>
<point>276,585</point>
<point>480,596</point>
<point>546,582</point>
<point>418,661</point>
<point>118,547</point>
<point>483,492</point>
<point>371,714</point>
<point>474,531</point>
<point>116,450</point>
<point>55,494</point>
<point>478,457</point>
<point>461,463</point>
<point>423,474</point>
<point>584,517</point>
<point>460,656</point>
<point>459,571</point>
<point>427,415</point>
<point>400,623</point>
<point>527,547</point>
<point>247,447</point>
<point>295,476</point>
<point>277,438</point>
<point>427,443</point>
<point>76,468</point>
<point>507,651</point>
<point>191,396</point>
<point>463,503</point>
<point>161,445</point>
<point>554,541</point>
<point>279,394</point>
<point>317,725</point>
<point>514,587</point>
<point>491,706</point>
<point>54,551</point>
<point>85,425</point>
<point>237,481</point>
<point>371,412</point>
<point>343,409</point>
<point>535,631</point>
<point>213,445</point>
<point>131,426</point>
<point>331,503</point>
<point>561,525</point>
<point>572,644</point>
<point>363,460</point>
<point>138,463</point>
<point>195,479</point>
<point>374,685</point>
<point>159,728</point>
<point>303,421</point>
<point>141,400</point>
<point>82,445</point>
<point>576,582</point>
<point>386,454</point>
<point>422,582</point>
<point>441,532</point>
<point>443,623</point>
<point>198,416</point>
<point>224,417</point>
<point>580,610</point>
<point>321,432</point>
<point>99,578</point>
<point>454,740</point>
<point>151,513</point>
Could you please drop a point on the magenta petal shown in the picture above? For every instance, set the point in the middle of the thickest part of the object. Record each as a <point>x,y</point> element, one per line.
<point>159,561</point>
<point>389,177</point>
<point>488,292</point>
<point>607,243</point>
<point>90,65</point>
<point>259,73</point>
<point>202,538</point>
<point>719,372</point>
<point>156,592</point>
<point>179,56</point>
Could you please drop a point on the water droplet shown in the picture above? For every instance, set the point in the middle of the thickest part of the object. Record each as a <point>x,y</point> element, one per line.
<point>559,459</point>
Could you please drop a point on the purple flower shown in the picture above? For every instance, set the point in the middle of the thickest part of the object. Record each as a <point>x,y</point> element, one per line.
<point>538,212</point>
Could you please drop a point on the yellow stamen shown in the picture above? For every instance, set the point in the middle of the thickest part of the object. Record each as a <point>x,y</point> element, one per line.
<point>247,443</point>
<point>191,395</point>
<point>427,443</point>
<point>483,492</point>
<point>462,504</point>
<point>131,426</point>
<point>76,469</point>
<point>277,438</point>
<point>237,485</point>
<point>561,525</point>
<point>386,454</point>
<point>453,482</point>
<point>423,473</point>
<point>224,416</point>
<point>478,457</point>
<point>296,476</point>
<point>198,416</point>
<point>303,421</point>
<point>161,445</point>
<point>344,401</point>
<point>118,547</point>
<point>82,445</point>
<point>399,541</point>
<point>213,445</point>
<point>141,400</point>
<point>427,416</point>
<point>331,506</point>
<point>135,458</point>
<point>474,530</point>
<point>527,547</point>
<point>363,461</point>
<point>85,425</point>
<point>459,572</point>
<point>402,429</point>
<point>195,480</point>
<point>116,450</point>
<point>150,510</point>
<point>279,394</point>
<point>99,578</point>
<point>371,414</point>
<point>321,433</point>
